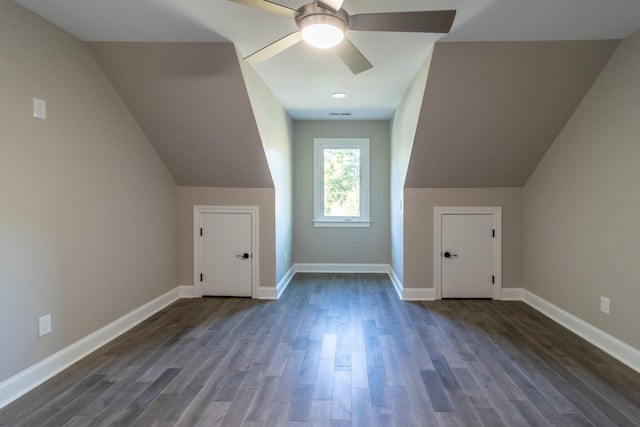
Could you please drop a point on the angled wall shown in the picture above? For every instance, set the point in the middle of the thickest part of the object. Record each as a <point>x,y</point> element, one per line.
<point>191,101</point>
<point>491,109</point>
<point>88,217</point>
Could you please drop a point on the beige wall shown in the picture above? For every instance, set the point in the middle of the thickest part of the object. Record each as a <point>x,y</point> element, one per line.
<point>340,245</point>
<point>582,205</point>
<point>275,127</point>
<point>207,196</point>
<point>419,228</point>
<point>88,218</point>
<point>403,132</point>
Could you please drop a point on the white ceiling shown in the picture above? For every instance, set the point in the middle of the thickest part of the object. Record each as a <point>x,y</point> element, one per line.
<point>303,78</point>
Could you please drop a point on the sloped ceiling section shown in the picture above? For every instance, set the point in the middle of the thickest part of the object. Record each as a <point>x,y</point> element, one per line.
<point>491,109</point>
<point>191,101</point>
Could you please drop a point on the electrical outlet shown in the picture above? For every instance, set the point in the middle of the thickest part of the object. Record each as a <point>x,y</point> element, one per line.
<point>44,325</point>
<point>286,257</point>
<point>604,305</point>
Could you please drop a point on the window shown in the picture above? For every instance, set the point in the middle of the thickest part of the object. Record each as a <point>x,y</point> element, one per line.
<point>341,182</point>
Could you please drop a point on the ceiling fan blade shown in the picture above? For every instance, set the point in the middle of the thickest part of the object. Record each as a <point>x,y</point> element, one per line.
<point>268,6</point>
<point>334,5</point>
<point>352,57</point>
<point>275,48</point>
<point>434,21</point>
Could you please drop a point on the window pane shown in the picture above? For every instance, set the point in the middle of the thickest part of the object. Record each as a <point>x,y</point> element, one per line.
<point>342,182</point>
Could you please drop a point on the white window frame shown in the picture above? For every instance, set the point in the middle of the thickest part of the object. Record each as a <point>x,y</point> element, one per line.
<point>319,145</point>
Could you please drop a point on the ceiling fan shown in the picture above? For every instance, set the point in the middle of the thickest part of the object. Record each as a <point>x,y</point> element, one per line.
<point>323,23</point>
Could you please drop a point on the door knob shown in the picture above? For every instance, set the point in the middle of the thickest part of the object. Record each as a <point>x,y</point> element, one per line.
<point>243,256</point>
<point>450,255</point>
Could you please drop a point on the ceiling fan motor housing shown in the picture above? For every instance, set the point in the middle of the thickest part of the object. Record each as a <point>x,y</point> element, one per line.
<point>312,14</point>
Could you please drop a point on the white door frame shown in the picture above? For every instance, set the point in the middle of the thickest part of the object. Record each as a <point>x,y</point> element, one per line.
<point>198,211</point>
<point>438,212</point>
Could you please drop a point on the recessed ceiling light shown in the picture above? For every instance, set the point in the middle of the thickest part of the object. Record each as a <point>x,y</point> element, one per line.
<point>339,95</point>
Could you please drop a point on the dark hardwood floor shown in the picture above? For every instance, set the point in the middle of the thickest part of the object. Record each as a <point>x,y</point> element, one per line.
<point>339,350</point>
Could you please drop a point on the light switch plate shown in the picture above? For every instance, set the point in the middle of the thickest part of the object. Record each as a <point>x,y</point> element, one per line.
<point>39,109</point>
<point>604,305</point>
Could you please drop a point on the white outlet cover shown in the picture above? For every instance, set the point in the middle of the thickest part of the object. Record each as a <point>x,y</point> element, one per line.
<point>39,109</point>
<point>44,325</point>
<point>604,305</point>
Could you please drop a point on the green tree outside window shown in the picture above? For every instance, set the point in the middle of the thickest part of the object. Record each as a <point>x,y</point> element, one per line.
<point>341,182</point>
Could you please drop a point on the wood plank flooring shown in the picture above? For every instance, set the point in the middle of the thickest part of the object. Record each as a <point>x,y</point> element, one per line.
<point>339,350</point>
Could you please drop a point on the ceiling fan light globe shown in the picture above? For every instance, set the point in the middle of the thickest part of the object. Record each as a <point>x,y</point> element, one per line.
<point>322,36</point>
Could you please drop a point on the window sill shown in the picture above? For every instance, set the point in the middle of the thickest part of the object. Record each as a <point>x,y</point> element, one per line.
<point>342,224</point>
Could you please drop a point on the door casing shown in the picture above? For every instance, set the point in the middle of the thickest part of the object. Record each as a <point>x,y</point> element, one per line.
<point>496,213</point>
<point>198,211</point>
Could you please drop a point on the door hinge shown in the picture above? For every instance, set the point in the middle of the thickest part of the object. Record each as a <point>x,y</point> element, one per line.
<point>493,279</point>
<point>201,232</point>
<point>201,277</point>
<point>493,233</point>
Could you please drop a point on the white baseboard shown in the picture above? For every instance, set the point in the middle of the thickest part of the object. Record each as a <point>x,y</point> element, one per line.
<point>186,291</point>
<point>273,293</point>
<point>341,268</point>
<point>285,281</point>
<point>411,294</point>
<point>512,294</point>
<point>418,294</point>
<point>267,292</point>
<point>21,383</point>
<point>264,292</point>
<point>397,284</point>
<point>620,350</point>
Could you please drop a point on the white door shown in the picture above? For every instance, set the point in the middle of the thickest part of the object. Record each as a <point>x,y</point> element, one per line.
<point>467,256</point>
<point>226,264</point>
